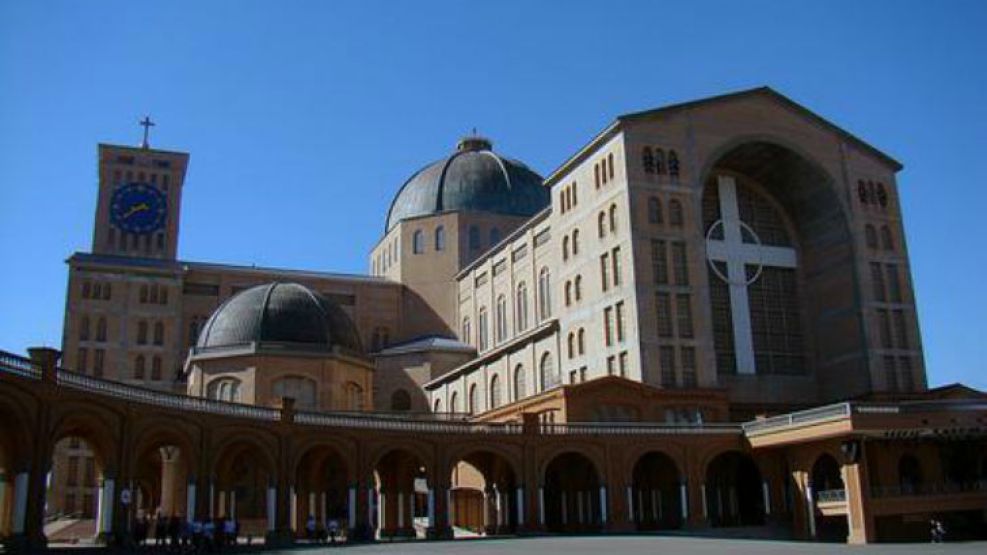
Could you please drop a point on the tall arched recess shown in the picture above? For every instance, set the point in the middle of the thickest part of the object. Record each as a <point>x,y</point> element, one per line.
<point>808,199</point>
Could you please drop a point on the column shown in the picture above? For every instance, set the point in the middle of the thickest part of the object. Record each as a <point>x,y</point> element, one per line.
<point>603,505</point>
<point>684,500</point>
<point>654,505</point>
<point>20,503</point>
<point>293,509</point>
<point>630,504</point>
<point>381,512</point>
<point>190,501</point>
<point>431,508</point>
<point>541,506</point>
<point>520,506</point>
<point>486,510</point>
<point>810,508</point>
<point>400,510</point>
<point>640,505</point>
<point>498,501</point>
<point>702,490</point>
<point>766,493</point>
<point>564,508</point>
<point>222,511</point>
<point>272,508</point>
<point>351,508</point>
<point>313,506</point>
<point>212,498</point>
<point>449,515</point>
<point>106,505</point>
<point>3,505</point>
<point>371,524</point>
<point>233,504</point>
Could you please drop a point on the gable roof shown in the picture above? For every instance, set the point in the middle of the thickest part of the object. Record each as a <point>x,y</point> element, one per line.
<point>617,125</point>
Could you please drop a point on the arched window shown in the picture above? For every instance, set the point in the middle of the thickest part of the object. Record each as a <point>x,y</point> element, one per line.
<point>483,330</point>
<point>84,329</point>
<point>565,248</point>
<point>648,160</point>
<point>579,287</point>
<point>575,242</point>
<point>522,307</point>
<point>158,333</point>
<point>582,341</point>
<point>870,234</point>
<point>495,392</point>
<point>299,388</point>
<point>575,193</point>
<point>354,396</point>
<point>106,293</point>
<point>613,218</point>
<point>603,170</point>
<point>544,294</point>
<point>610,164</point>
<point>466,336</point>
<point>153,297</point>
<point>659,161</point>
<point>601,222</point>
<point>440,238</point>
<point>501,316</point>
<point>654,210</point>
<point>454,402</point>
<point>675,215</point>
<point>86,289</point>
<point>562,206</point>
<point>400,400</point>
<point>163,298</point>
<point>418,242</point>
<point>520,387</point>
<point>143,294</point>
<point>101,329</point>
<point>673,164</point>
<point>225,389</point>
<point>156,368</point>
<point>97,290</point>
<point>474,237</point>
<point>596,175</point>
<point>139,369</point>
<point>862,191</point>
<point>437,406</point>
<point>546,371</point>
<point>142,333</point>
<point>571,344</point>
<point>887,242</point>
<point>494,236</point>
<point>474,406</point>
<point>568,293</point>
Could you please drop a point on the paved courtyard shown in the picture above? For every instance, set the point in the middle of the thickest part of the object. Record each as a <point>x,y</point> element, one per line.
<point>634,545</point>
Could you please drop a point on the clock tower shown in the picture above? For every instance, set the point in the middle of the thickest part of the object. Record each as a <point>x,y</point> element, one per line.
<point>140,195</point>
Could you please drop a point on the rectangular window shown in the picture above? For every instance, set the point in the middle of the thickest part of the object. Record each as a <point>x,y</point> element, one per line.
<point>680,263</point>
<point>616,266</point>
<point>605,271</point>
<point>884,328</point>
<point>582,373</point>
<point>659,261</point>
<point>666,356</point>
<point>623,364</point>
<point>683,308</point>
<point>608,326</point>
<point>620,321</point>
<point>890,373</point>
<point>894,286</point>
<point>663,311</point>
<point>82,362</point>
<point>900,329</point>
<point>877,277</point>
<point>905,368</point>
<point>688,357</point>
<point>98,355</point>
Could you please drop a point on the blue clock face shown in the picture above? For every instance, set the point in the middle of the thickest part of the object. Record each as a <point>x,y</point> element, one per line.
<point>138,208</point>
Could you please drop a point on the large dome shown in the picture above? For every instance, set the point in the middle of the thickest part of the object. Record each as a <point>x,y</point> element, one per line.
<point>288,314</point>
<point>472,178</point>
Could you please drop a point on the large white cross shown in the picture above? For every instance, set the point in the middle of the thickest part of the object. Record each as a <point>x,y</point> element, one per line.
<point>737,255</point>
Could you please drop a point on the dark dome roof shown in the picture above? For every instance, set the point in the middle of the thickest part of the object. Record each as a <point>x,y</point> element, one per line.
<point>472,178</point>
<point>286,313</point>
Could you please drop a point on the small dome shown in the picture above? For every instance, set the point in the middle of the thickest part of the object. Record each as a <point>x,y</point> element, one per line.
<point>288,314</point>
<point>473,178</point>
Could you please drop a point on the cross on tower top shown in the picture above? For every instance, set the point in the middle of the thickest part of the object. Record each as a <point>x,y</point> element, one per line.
<point>147,124</point>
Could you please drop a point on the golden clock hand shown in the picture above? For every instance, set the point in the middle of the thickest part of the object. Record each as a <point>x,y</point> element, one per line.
<point>136,208</point>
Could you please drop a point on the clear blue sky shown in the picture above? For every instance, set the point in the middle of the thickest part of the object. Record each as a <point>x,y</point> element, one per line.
<point>303,118</point>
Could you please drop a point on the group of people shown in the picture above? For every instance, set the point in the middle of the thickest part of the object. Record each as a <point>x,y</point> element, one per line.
<point>177,534</point>
<point>317,532</point>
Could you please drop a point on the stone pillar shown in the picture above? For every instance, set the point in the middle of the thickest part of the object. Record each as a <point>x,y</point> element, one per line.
<point>440,526</point>
<point>351,513</point>
<point>810,509</point>
<point>212,498</point>
<point>857,482</point>
<point>487,520</point>
<point>4,501</point>
<point>705,502</point>
<point>767,498</point>
<point>630,505</point>
<point>272,509</point>
<point>19,521</point>
<point>170,480</point>
<point>564,510</point>
<point>520,507</point>
<point>190,501</point>
<point>541,506</point>
<point>603,506</point>
<point>107,496</point>
<point>684,500</point>
<point>431,509</point>
<point>233,504</point>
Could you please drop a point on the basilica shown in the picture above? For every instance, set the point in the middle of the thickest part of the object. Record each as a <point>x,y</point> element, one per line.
<point>702,320</point>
